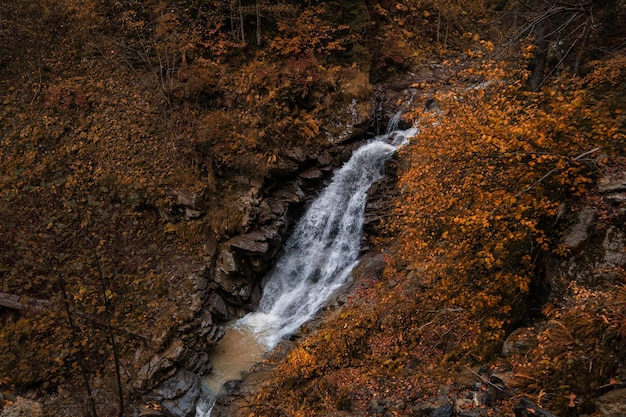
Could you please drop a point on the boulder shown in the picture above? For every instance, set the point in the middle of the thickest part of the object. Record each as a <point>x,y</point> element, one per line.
<point>278,207</point>
<point>324,159</point>
<point>283,168</point>
<point>22,408</point>
<point>290,193</point>
<point>180,393</point>
<point>597,265</point>
<point>613,182</point>
<point>446,410</point>
<point>527,409</point>
<point>226,262</point>
<point>236,290</point>
<point>185,198</point>
<point>249,242</point>
<point>296,154</point>
<point>519,341</point>
<point>579,231</point>
<point>312,174</point>
<point>612,404</point>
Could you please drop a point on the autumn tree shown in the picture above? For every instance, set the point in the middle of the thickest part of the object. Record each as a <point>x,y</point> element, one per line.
<point>565,35</point>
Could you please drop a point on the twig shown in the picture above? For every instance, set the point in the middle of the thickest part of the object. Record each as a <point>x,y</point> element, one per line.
<point>531,186</point>
<point>484,380</point>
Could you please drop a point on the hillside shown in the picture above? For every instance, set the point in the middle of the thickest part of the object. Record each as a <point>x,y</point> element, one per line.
<point>155,155</point>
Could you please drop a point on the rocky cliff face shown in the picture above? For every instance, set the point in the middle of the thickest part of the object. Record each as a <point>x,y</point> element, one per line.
<point>229,283</point>
<point>595,239</point>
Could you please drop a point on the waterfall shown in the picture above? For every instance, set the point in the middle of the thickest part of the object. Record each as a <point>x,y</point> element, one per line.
<point>394,121</point>
<point>318,257</point>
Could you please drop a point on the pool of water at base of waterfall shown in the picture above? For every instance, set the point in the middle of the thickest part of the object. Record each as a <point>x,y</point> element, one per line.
<point>233,355</point>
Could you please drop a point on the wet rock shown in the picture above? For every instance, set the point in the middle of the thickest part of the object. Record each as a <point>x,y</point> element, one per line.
<point>160,366</point>
<point>192,214</point>
<point>180,393</point>
<point>296,154</point>
<point>236,288</point>
<point>185,198</point>
<point>249,242</point>
<point>325,159</point>
<point>22,407</point>
<point>198,362</point>
<point>216,305</point>
<point>519,342</point>
<point>579,232</point>
<point>370,267</point>
<point>312,174</point>
<point>216,333</point>
<point>226,261</point>
<point>613,183</point>
<point>290,193</point>
<point>612,404</point>
<point>527,409</point>
<point>378,203</point>
<point>446,410</point>
<point>283,168</point>
<point>257,241</point>
<point>278,207</point>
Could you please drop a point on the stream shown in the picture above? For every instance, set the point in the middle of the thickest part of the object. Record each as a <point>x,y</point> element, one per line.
<point>317,259</point>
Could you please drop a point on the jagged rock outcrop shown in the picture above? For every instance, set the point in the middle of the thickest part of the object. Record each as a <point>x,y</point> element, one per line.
<point>180,393</point>
<point>595,239</point>
<point>229,284</point>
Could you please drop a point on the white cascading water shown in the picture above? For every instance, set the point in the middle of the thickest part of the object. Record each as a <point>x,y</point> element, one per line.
<point>323,248</point>
<point>325,245</point>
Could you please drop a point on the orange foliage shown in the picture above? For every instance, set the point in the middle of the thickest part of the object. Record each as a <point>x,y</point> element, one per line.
<point>481,188</point>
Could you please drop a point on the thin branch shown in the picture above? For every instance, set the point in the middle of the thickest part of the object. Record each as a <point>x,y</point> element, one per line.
<point>531,186</point>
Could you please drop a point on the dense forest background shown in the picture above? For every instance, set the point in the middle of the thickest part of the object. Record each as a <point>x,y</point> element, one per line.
<point>113,111</point>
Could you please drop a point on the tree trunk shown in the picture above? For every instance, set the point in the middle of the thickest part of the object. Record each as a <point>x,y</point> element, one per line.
<point>16,302</point>
<point>243,34</point>
<point>258,22</point>
<point>539,62</point>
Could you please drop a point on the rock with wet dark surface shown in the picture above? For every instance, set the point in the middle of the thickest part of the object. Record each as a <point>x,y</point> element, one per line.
<point>180,393</point>
<point>525,408</point>
<point>612,404</point>
<point>613,182</point>
<point>446,410</point>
